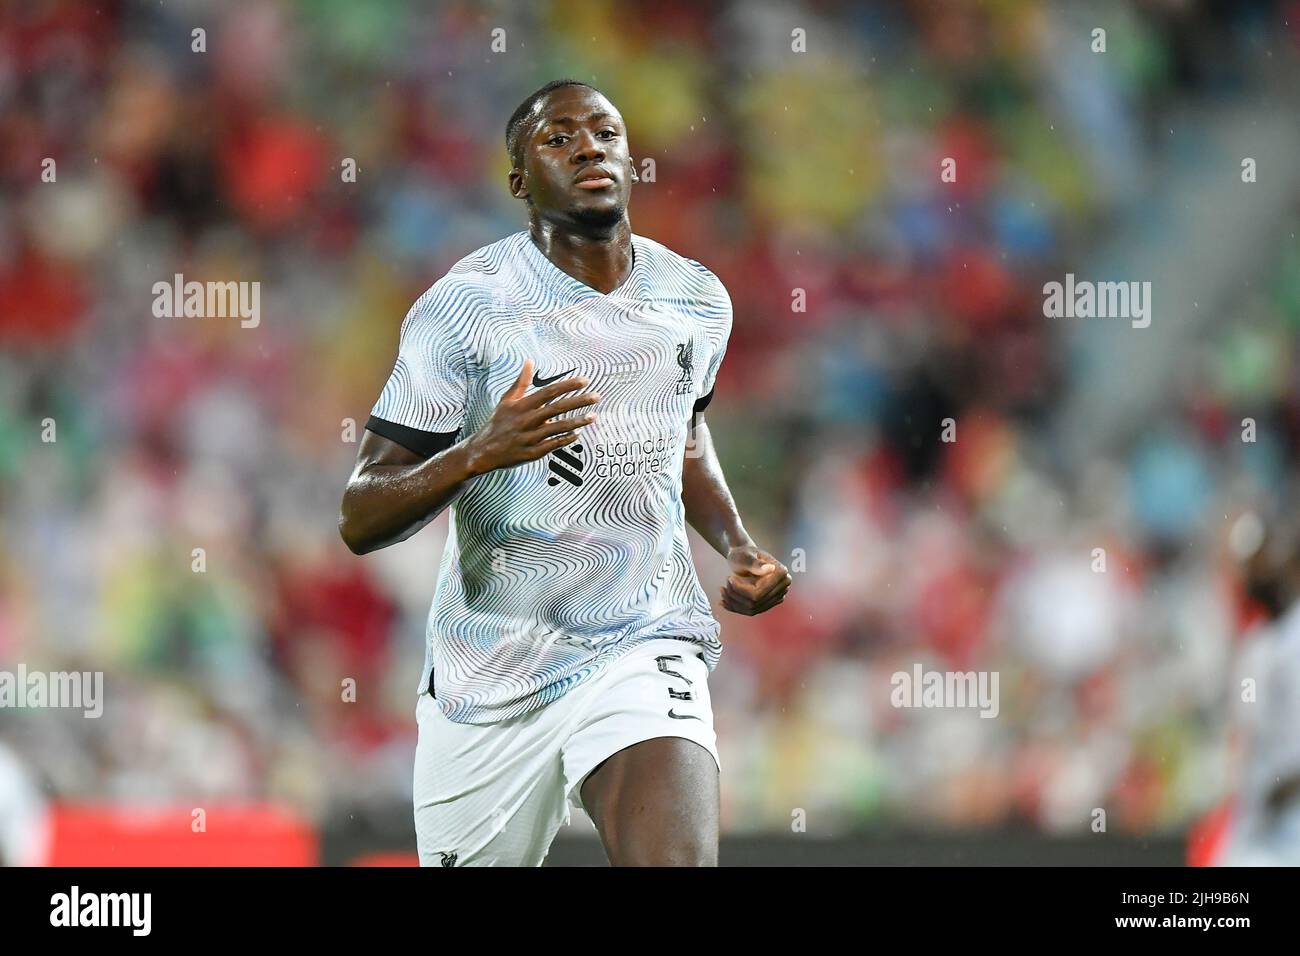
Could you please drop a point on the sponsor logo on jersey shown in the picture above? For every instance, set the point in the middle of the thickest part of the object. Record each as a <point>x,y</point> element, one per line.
<point>566,463</point>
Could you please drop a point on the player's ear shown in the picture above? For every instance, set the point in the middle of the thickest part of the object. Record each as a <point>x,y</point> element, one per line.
<point>518,188</point>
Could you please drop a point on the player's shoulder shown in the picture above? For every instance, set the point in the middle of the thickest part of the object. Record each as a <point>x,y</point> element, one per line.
<point>694,280</point>
<point>490,265</point>
<point>472,288</point>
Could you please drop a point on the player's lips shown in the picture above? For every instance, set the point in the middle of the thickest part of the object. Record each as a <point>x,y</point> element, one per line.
<point>594,178</point>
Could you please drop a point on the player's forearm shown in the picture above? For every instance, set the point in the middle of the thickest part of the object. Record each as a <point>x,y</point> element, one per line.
<point>710,509</point>
<point>385,504</point>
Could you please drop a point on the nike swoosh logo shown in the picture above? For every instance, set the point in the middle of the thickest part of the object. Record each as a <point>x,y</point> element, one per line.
<point>676,716</point>
<point>538,381</point>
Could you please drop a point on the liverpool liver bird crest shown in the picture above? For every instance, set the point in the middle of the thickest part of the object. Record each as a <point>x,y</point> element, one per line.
<point>685,353</point>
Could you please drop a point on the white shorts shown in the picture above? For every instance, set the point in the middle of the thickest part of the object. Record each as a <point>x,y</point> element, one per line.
<point>495,794</point>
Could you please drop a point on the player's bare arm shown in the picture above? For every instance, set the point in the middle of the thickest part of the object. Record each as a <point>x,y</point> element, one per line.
<point>758,581</point>
<point>394,492</point>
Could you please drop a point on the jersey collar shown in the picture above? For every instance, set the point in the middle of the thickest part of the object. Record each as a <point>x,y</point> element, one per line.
<point>631,288</point>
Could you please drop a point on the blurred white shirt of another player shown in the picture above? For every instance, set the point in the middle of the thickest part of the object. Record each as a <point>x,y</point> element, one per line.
<point>24,817</point>
<point>1260,835</point>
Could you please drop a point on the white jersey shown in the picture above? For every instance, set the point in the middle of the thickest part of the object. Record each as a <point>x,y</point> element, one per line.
<point>555,568</point>
<point>1259,834</point>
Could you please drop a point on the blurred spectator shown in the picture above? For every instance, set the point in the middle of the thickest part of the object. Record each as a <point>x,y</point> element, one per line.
<point>175,526</point>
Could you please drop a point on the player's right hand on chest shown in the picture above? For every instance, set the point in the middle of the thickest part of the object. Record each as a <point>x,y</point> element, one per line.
<point>524,426</point>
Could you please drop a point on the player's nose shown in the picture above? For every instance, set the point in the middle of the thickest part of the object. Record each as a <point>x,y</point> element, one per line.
<point>587,147</point>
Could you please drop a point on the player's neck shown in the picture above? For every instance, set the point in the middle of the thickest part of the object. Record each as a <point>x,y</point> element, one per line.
<point>600,259</point>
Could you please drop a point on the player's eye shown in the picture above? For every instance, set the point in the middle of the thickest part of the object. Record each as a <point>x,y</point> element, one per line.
<point>559,139</point>
<point>611,134</point>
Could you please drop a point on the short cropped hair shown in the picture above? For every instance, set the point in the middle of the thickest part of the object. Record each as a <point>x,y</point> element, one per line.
<point>518,119</point>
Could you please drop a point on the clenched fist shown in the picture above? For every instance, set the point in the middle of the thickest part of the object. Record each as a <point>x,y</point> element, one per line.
<point>758,581</point>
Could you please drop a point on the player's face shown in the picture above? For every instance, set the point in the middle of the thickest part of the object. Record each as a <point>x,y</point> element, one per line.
<point>576,164</point>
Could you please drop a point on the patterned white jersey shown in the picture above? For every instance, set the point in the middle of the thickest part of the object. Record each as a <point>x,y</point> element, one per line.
<point>1263,835</point>
<point>555,568</point>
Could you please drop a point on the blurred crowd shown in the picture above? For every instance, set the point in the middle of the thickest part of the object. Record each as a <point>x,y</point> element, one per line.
<point>178,531</point>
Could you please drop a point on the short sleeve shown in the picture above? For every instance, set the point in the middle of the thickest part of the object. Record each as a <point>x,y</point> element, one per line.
<point>718,319</point>
<point>428,387</point>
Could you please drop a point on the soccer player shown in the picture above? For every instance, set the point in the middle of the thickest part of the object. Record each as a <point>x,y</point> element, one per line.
<point>1265,830</point>
<point>545,390</point>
